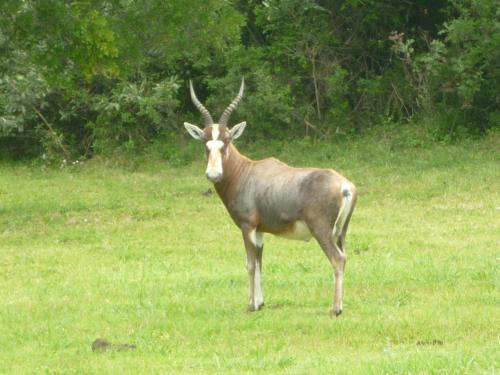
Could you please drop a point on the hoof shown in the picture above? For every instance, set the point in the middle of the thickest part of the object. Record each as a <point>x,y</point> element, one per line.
<point>335,313</point>
<point>252,308</point>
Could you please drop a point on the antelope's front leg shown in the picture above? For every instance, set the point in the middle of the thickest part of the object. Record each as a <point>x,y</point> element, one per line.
<point>254,247</point>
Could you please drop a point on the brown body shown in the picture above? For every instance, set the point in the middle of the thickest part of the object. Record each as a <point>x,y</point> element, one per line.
<point>268,196</point>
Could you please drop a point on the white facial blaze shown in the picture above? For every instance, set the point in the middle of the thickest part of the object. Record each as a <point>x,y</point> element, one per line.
<point>214,166</point>
<point>215,132</point>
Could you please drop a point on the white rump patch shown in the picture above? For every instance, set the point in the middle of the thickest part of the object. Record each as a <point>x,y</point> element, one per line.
<point>346,193</point>
<point>300,232</point>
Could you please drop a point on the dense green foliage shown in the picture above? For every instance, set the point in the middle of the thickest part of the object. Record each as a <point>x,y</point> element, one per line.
<point>80,77</point>
<point>136,254</point>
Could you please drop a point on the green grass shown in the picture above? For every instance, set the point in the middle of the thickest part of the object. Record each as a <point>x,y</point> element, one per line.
<point>138,255</point>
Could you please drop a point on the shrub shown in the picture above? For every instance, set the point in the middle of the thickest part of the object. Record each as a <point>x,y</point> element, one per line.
<point>134,113</point>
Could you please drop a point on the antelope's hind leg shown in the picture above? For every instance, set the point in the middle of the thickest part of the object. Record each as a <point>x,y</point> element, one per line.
<point>328,243</point>
<point>254,246</point>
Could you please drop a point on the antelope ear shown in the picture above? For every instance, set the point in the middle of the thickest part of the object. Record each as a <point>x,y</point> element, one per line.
<point>194,131</point>
<point>237,130</point>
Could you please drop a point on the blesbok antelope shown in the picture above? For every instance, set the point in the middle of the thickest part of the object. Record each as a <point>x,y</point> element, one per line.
<point>268,196</point>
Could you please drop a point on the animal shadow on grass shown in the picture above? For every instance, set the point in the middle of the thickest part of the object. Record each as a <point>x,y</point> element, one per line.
<point>298,307</point>
<point>276,306</point>
<point>360,250</point>
<point>284,304</point>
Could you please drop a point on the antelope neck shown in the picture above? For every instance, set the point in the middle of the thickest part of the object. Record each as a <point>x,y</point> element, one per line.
<point>234,167</point>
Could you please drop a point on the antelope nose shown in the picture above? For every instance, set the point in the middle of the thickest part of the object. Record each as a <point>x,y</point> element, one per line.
<point>213,176</point>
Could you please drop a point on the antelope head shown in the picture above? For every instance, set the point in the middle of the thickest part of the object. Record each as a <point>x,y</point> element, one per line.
<point>216,136</point>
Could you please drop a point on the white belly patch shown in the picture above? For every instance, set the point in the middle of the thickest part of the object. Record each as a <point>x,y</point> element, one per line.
<point>300,232</point>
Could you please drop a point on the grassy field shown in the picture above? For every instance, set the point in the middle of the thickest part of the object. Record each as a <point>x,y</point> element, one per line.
<point>135,253</point>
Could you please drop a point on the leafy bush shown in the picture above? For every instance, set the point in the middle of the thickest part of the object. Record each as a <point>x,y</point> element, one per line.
<point>471,71</point>
<point>83,77</point>
<point>134,113</point>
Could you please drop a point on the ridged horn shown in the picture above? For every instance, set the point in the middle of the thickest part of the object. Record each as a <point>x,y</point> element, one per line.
<point>227,112</point>
<point>204,112</point>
